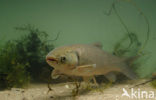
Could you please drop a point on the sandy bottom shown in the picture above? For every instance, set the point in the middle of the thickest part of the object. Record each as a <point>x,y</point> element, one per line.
<point>63,91</point>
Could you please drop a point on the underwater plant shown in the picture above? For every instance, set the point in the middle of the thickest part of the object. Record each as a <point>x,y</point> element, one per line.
<point>12,72</point>
<point>153,83</point>
<point>33,48</point>
<point>23,59</point>
<point>135,47</point>
<point>130,45</point>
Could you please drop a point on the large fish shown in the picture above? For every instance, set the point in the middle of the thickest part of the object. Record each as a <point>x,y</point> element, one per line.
<point>87,61</point>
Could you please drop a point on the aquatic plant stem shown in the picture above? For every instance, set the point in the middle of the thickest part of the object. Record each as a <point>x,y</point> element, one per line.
<point>125,26</point>
<point>147,22</point>
<point>120,19</point>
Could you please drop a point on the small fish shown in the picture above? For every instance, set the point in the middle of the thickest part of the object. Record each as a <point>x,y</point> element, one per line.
<point>87,60</point>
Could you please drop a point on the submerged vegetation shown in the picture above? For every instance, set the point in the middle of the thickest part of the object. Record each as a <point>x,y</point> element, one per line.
<point>23,60</point>
<point>153,83</point>
<point>12,72</point>
<point>129,45</point>
<point>134,47</point>
<point>131,50</point>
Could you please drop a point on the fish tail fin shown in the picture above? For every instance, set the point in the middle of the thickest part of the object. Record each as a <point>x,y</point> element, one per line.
<point>129,72</point>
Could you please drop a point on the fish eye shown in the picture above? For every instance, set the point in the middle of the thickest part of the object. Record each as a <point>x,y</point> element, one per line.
<point>63,59</point>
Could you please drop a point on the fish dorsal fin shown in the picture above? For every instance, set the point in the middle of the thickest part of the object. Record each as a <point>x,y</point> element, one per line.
<point>98,44</point>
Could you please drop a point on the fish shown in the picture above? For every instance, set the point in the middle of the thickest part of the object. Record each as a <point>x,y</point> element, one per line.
<point>87,61</point>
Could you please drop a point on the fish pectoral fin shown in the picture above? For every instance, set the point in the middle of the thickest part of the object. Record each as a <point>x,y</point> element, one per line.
<point>85,67</point>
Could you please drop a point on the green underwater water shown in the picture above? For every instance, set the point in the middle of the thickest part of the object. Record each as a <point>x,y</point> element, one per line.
<point>84,21</point>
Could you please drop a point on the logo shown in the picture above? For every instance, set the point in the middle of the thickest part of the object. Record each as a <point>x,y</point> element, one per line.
<point>138,94</point>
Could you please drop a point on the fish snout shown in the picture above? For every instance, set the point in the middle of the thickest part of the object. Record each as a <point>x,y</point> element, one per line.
<point>51,59</point>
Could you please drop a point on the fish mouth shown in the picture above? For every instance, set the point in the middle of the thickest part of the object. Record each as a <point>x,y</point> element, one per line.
<point>51,59</point>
